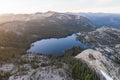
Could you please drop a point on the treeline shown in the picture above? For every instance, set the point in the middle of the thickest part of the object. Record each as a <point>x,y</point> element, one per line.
<point>78,70</point>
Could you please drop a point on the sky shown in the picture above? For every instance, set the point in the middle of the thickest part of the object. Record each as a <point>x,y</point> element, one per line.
<point>32,6</point>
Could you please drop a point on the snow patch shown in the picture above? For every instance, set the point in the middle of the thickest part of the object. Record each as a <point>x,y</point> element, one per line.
<point>106,75</point>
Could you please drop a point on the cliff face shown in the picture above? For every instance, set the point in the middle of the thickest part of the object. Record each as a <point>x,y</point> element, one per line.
<point>107,69</point>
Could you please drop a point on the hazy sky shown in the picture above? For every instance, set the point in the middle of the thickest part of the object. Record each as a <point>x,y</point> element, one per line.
<point>31,6</point>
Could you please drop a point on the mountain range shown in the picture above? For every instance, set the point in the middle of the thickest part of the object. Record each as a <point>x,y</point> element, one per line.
<point>100,30</point>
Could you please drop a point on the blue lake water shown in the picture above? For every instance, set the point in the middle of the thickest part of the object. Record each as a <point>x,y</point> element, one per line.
<point>56,46</point>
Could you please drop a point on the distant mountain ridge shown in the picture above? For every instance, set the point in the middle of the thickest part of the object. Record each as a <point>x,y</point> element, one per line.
<point>48,19</point>
<point>97,19</point>
<point>103,19</point>
<point>69,19</point>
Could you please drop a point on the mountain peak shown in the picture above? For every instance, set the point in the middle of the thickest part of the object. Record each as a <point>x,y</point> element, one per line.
<point>38,13</point>
<point>50,12</point>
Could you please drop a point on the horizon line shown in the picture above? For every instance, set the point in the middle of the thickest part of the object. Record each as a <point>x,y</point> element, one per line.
<point>56,12</point>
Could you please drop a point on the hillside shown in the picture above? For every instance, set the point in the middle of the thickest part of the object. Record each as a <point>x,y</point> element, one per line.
<point>106,40</point>
<point>18,31</point>
<point>106,69</point>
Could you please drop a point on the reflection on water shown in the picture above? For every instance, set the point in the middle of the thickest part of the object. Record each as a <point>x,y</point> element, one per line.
<point>56,46</point>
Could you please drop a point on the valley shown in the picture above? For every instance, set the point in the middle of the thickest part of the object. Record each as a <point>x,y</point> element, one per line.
<point>99,61</point>
<point>19,34</point>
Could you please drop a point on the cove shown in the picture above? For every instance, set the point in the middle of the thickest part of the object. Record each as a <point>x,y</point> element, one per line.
<point>56,46</point>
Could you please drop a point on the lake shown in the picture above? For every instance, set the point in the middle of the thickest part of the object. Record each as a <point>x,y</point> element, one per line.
<point>56,46</point>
